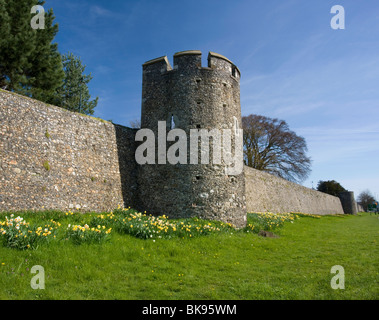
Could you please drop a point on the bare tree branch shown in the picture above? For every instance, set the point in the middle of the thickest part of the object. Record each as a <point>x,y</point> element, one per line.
<point>269,145</point>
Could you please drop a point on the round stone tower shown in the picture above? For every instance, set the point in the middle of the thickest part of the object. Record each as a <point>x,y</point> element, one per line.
<point>348,202</point>
<point>195,102</point>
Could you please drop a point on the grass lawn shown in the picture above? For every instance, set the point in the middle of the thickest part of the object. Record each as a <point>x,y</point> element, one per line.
<point>226,265</point>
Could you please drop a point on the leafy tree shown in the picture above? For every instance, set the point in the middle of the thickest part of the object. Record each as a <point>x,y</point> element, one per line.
<point>331,187</point>
<point>365,198</point>
<point>47,70</point>
<point>269,145</point>
<point>74,93</point>
<point>30,63</point>
<point>5,28</point>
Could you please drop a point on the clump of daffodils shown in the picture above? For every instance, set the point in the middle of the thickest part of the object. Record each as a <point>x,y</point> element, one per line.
<point>15,232</point>
<point>301,214</point>
<point>79,234</point>
<point>269,221</point>
<point>19,234</point>
<point>146,226</point>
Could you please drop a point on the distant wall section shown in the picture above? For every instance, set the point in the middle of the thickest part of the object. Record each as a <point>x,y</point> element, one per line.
<point>348,202</point>
<point>265,192</point>
<point>51,158</point>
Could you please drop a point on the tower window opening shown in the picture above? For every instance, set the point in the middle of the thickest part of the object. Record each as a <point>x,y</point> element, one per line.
<point>172,124</point>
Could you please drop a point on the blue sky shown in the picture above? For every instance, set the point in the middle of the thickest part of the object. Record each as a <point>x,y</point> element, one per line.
<point>295,67</point>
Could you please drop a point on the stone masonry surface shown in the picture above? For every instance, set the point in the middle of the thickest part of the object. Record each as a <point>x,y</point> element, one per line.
<point>51,158</point>
<point>266,192</point>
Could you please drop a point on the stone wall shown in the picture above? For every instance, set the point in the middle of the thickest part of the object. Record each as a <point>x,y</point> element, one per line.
<point>51,158</point>
<point>265,192</point>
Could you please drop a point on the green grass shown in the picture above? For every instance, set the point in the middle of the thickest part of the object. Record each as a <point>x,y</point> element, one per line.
<point>224,265</point>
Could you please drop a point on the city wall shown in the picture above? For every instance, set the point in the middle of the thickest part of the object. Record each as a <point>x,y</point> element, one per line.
<point>266,192</point>
<point>51,158</point>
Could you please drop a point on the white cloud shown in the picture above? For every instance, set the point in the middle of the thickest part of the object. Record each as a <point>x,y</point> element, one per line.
<point>97,11</point>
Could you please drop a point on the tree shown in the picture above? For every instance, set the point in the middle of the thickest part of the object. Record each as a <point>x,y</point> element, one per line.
<point>30,63</point>
<point>269,145</point>
<point>5,28</point>
<point>135,124</point>
<point>331,187</point>
<point>74,93</point>
<point>365,198</point>
<point>47,70</point>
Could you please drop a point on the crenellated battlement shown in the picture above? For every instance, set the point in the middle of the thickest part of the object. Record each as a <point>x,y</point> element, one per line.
<point>187,60</point>
<point>219,62</point>
<point>160,64</point>
<point>191,60</point>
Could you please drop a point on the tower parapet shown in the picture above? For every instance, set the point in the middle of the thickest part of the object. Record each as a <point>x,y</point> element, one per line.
<point>219,62</point>
<point>190,97</point>
<point>191,59</point>
<point>187,59</point>
<point>160,64</point>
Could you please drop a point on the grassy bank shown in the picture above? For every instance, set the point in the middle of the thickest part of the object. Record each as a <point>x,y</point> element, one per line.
<point>224,264</point>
